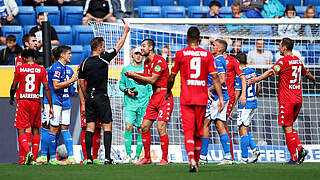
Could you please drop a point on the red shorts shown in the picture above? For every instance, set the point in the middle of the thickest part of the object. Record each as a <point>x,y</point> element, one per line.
<point>192,119</point>
<point>159,107</point>
<point>83,121</point>
<point>28,114</point>
<point>288,113</point>
<point>230,105</point>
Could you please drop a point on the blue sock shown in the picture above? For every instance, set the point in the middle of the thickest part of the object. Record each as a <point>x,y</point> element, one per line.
<point>225,141</point>
<point>44,141</point>
<point>252,144</point>
<point>57,140</point>
<point>68,142</point>
<point>52,145</point>
<point>204,148</point>
<point>244,146</point>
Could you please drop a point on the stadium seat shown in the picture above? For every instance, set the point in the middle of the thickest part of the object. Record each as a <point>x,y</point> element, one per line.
<point>163,2</point>
<point>225,11</point>
<point>187,3</point>
<point>64,34</point>
<point>54,13</point>
<point>19,3</point>
<point>313,2</point>
<point>207,2</point>
<point>300,10</point>
<point>142,3</point>
<point>87,51</point>
<point>161,38</point>
<point>71,15</point>
<point>26,15</point>
<point>82,35</point>
<point>77,54</point>
<point>13,30</point>
<point>174,11</point>
<point>137,35</point>
<point>248,47</point>
<point>197,11</point>
<point>272,47</point>
<point>294,2</point>
<point>300,47</point>
<point>261,30</point>
<point>27,28</point>
<point>149,12</point>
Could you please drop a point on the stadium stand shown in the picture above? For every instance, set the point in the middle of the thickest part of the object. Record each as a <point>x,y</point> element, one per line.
<point>207,2</point>
<point>77,54</point>
<point>163,2</point>
<point>187,3</point>
<point>82,35</point>
<point>26,15</point>
<point>13,30</point>
<point>300,10</point>
<point>313,2</point>
<point>64,34</point>
<point>19,3</point>
<point>261,30</point>
<point>71,15</point>
<point>294,2</point>
<point>225,11</point>
<point>53,13</point>
<point>174,11</point>
<point>86,51</point>
<point>142,3</point>
<point>197,11</point>
<point>149,12</point>
<point>27,28</point>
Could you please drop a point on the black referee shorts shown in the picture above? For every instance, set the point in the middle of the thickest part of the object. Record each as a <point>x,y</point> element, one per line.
<point>98,107</point>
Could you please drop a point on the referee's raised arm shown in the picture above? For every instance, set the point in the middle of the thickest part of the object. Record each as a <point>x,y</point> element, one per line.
<point>123,38</point>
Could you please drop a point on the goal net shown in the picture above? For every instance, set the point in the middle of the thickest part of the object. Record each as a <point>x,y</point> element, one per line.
<point>243,35</point>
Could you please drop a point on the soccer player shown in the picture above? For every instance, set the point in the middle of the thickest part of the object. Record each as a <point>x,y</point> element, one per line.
<point>29,42</point>
<point>195,64</point>
<point>212,113</point>
<point>58,83</point>
<point>289,68</point>
<point>27,80</point>
<point>156,73</point>
<point>246,113</point>
<point>136,99</point>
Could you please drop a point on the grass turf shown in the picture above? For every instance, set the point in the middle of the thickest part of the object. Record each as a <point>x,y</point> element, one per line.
<point>258,171</point>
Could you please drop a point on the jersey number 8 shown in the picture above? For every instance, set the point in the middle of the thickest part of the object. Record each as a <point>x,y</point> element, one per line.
<point>30,79</point>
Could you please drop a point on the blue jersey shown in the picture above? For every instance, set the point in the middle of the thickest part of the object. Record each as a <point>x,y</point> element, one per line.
<point>221,66</point>
<point>67,91</point>
<point>251,89</point>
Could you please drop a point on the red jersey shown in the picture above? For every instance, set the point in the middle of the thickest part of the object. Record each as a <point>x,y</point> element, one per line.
<point>233,68</point>
<point>19,61</point>
<point>158,66</point>
<point>290,69</point>
<point>29,77</point>
<point>194,65</point>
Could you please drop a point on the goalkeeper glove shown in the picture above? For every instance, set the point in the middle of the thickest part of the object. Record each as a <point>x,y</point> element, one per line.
<point>131,92</point>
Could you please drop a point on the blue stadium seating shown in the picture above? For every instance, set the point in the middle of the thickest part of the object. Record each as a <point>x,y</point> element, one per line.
<point>87,51</point>
<point>2,47</point>
<point>142,3</point>
<point>248,47</point>
<point>27,28</point>
<point>149,12</point>
<point>137,35</point>
<point>300,47</point>
<point>187,3</point>
<point>174,11</point>
<point>26,15</point>
<point>207,2</point>
<point>261,30</point>
<point>271,47</point>
<point>13,30</point>
<point>161,38</point>
<point>54,13</point>
<point>71,15</point>
<point>313,2</point>
<point>77,54</point>
<point>82,35</point>
<point>64,34</point>
<point>163,2</point>
<point>225,11</point>
<point>19,3</point>
<point>300,10</point>
<point>294,2</point>
<point>197,11</point>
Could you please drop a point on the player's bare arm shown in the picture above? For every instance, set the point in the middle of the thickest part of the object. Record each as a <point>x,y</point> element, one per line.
<point>261,77</point>
<point>311,77</point>
<point>258,89</point>
<point>81,97</point>
<point>170,84</point>
<point>217,85</point>
<point>82,86</point>
<point>123,38</point>
<point>47,92</point>
<point>58,85</point>
<point>143,79</point>
<point>243,98</point>
<point>13,90</point>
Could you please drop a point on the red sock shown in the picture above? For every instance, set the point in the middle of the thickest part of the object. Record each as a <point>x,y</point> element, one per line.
<point>23,140</point>
<point>22,154</point>
<point>197,149</point>
<point>146,140</point>
<point>189,144</point>
<point>164,141</point>
<point>29,139</point>
<point>291,144</point>
<point>231,146</point>
<point>83,144</point>
<point>96,144</point>
<point>35,146</point>
<point>298,142</point>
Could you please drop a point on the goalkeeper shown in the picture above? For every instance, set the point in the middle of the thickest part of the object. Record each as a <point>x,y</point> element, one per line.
<point>136,99</point>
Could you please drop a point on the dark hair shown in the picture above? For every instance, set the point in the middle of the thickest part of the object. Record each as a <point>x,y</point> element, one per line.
<point>29,53</point>
<point>96,42</point>
<point>11,38</point>
<point>56,53</point>
<point>193,33</point>
<point>40,14</point>
<point>287,42</point>
<point>64,49</point>
<point>235,4</point>
<point>289,7</point>
<point>215,3</point>
<point>242,58</point>
<point>150,43</point>
<point>223,43</point>
<point>26,38</point>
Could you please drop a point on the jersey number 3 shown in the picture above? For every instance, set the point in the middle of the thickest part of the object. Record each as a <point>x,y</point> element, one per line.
<point>195,64</point>
<point>296,73</point>
<point>30,79</point>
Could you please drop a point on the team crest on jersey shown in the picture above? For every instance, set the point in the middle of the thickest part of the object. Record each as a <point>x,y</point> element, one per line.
<point>56,74</point>
<point>227,61</point>
<point>240,68</point>
<point>277,68</point>
<point>157,68</point>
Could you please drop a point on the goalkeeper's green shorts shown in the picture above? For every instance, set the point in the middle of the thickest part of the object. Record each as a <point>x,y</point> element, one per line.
<point>134,115</point>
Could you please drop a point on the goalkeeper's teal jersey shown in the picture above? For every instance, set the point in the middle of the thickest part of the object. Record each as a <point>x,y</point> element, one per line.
<point>144,92</point>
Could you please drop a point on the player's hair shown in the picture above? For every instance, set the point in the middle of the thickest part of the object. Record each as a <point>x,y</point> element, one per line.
<point>193,33</point>
<point>96,42</point>
<point>242,58</point>
<point>63,49</point>
<point>11,38</point>
<point>215,3</point>
<point>223,43</point>
<point>150,43</point>
<point>234,4</point>
<point>56,53</point>
<point>29,53</point>
<point>40,14</point>
<point>26,38</point>
<point>236,40</point>
<point>287,42</point>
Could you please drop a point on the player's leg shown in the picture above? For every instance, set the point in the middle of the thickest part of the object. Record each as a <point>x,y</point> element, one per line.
<point>200,112</point>
<point>140,114</point>
<point>130,117</point>
<point>96,144</point>
<point>146,140</point>
<point>35,143</point>
<point>229,116</point>
<point>83,142</point>
<point>91,118</point>
<point>210,111</point>
<point>67,138</point>
<point>44,135</point>
<point>243,131</point>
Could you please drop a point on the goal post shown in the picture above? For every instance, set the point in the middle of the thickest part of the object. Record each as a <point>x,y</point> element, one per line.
<point>267,134</point>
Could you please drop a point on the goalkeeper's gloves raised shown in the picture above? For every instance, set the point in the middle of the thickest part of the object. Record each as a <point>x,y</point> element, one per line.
<point>130,92</point>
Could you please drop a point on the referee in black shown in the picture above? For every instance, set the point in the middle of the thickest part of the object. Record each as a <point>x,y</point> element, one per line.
<point>94,70</point>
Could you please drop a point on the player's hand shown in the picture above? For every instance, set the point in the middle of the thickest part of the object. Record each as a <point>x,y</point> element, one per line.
<point>12,103</point>
<point>130,92</point>
<point>74,77</point>
<point>51,114</point>
<point>210,95</point>
<point>83,109</point>
<point>129,74</point>
<point>243,100</point>
<point>126,27</point>
<point>220,105</point>
<point>252,80</point>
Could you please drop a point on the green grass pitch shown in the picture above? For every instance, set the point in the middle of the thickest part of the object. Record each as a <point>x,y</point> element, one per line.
<point>260,171</point>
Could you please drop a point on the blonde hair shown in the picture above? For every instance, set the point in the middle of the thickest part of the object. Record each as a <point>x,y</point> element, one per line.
<point>310,6</point>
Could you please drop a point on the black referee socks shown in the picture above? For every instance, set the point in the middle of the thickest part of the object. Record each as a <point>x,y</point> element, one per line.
<point>88,138</point>
<point>107,137</point>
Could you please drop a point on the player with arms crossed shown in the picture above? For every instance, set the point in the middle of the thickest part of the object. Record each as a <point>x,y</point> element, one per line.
<point>194,64</point>
<point>135,102</point>
<point>156,73</point>
<point>27,80</point>
<point>246,113</point>
<point>289,68</point>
